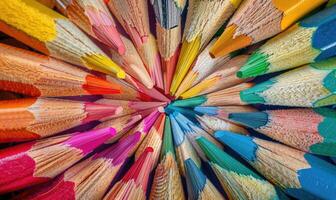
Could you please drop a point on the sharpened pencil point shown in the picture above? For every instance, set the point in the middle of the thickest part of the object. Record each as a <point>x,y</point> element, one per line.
<point>242,144</point>
<point>250,119</point>
<point>192,102</point>
<point>256,65</point>
<point>228,42</point>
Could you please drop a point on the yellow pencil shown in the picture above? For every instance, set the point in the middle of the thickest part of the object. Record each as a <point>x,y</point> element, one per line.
<point>52,34</point>
<point>203,20</point>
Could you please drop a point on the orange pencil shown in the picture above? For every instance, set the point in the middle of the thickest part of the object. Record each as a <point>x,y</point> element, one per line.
<point>33,118</point>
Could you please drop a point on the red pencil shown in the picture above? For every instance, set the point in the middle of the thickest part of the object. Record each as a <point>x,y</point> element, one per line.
<point>88,179</point>
<point>134,184</point>
<point>39,161</point>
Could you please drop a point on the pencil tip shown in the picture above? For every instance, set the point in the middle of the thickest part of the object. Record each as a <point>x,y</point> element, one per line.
<point>256,65</point>
<point>228,42</point>
<point>95,86</point>
<point>243,145</point>
<point>251,119</point>
<point>253,95</point>
<point>189,52</point>
<point>192,102</point>
<point>206,110</point>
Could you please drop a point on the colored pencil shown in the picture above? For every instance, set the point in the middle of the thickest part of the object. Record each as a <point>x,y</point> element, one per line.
<point>4,95</point>
<point>238,181</point>
<point>133,16</point>
<point>131,62</point>
<point>308,86</point>
<point>222,112</point>
<point>301,175</point>
<point>33,74</point>
<point>212,124</point>
<point>183,147</point>
<point>153,140</point>
<point>129,107</point>
<point>167,182</point>
<point>134,184</point>
<point>305,129</point>
<point>94,18</point>
<point>198,185</point>
<point>153,92</point>
<point>186,112</point>
<point>134,90</point>
<point>204,18</point>
<point>223,77</point>
<point>36,162</point>
<point>257,20</point>
<point>52,34</point>
<point>203,67</point>
<point>33,118</point>
<point>143,128</point>
<point>168,30</point>
<point>310,40</point>
<point>191,131</point>
<point>123,124</point>
<point>48,3</point>
<point>88,179</point>
<point>226,97</point>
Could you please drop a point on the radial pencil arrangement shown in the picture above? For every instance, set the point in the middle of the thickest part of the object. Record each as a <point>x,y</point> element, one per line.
<point>167,99</point>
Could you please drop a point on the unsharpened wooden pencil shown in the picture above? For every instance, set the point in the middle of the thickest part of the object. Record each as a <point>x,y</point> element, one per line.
<point>134,183</point>
<point>33,74</point>
<point>310,40</point>
<point>33,118</point>
<point>238,181</point>
<point>168,30</point>
<point>223,77</point>
<point>257,20</point>
<point>298,174</point>
<point>309,130</point>
<point>308,86</point>
<point>133,16</point>
<point>204,18</point>
<point>203,67</point>
<point>37,162</point>
<point>88,179</point>
<point>226,97</point>
<point>52,34</point>
<point>167,182</point>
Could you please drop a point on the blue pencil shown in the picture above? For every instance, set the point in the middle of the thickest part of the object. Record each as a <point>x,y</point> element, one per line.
<point>301,175</point>
<point>199,187</point>
<point>183,147</point>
